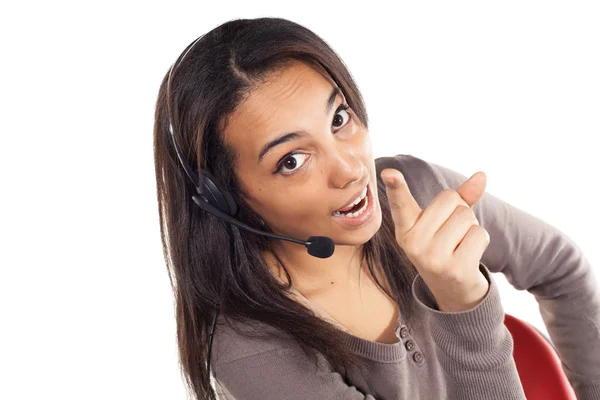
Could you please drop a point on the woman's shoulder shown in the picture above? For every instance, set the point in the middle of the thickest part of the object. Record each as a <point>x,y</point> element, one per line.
<point>234,339</point>
<point>410,165</point>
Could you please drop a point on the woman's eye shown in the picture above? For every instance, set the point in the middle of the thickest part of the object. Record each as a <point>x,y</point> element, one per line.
<point>290,162</point>
<point>339,122</point>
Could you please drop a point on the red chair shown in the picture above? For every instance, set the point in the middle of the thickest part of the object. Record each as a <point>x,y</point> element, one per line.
<point>538,363</point>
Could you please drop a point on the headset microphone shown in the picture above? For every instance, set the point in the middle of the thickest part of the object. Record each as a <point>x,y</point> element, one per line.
<point>318,246</point>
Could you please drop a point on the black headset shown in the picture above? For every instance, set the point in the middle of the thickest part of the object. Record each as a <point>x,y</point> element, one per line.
<point>221,203</point>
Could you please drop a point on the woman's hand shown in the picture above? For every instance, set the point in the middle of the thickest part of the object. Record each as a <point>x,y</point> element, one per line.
<point>445,242</point>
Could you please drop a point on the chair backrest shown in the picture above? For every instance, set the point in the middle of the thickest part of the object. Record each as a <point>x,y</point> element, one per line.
<point>538,363</point>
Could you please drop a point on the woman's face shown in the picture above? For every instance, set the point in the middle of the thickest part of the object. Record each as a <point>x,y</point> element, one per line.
<point>296,194</point>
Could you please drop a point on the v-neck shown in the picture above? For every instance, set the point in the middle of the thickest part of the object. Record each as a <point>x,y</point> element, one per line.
<point>322,313</point>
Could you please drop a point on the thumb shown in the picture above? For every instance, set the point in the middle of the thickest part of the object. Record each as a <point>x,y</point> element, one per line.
<point>473,188</point>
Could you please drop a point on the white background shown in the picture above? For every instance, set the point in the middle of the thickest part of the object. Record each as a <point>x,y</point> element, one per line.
<point>510,88</point>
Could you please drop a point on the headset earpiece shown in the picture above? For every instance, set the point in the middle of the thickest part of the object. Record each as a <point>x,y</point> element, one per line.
<point>221,199</point>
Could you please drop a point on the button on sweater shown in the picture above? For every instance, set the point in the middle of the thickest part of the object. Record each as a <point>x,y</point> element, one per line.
<point>441,355</point>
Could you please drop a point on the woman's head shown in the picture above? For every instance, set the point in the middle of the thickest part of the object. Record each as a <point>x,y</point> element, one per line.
<point>242,85</point>
<point>297,184</point>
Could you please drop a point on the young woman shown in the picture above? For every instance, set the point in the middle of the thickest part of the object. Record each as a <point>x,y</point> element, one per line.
<point>259,127</point>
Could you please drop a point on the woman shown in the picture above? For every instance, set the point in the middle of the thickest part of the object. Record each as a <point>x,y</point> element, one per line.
<point>405,307</point>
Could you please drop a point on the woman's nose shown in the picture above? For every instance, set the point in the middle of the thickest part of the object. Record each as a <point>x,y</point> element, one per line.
<point>346,171</point>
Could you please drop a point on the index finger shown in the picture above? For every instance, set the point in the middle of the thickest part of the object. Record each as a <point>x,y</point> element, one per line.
<point>403,206</point>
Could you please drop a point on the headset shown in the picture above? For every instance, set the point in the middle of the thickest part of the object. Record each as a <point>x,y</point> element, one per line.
<point>221,203</point>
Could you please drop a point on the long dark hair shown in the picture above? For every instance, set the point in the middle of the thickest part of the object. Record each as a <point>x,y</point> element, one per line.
<point>213,264</point>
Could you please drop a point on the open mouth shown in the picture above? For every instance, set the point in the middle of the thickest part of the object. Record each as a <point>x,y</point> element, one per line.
<point>358,208</point>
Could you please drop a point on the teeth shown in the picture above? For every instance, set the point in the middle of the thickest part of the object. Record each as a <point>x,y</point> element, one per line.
<point>354,214</point>
<point>362,196</point>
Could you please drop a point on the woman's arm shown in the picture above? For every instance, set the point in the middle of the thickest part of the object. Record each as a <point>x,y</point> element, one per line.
<point>474,348</point>
<point>537,257</point>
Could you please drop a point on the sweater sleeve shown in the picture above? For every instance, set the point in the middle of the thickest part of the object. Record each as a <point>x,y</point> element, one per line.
<point>473,347</point>
<point>283,373</point>
<point>537,257</point>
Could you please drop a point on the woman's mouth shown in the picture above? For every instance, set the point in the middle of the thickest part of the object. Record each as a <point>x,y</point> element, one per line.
<point>359,214</point>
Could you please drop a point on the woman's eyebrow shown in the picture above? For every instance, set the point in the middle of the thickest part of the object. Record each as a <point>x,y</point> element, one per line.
<point>296,135</point>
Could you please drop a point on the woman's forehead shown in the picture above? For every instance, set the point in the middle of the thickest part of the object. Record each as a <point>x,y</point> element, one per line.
<point>285,103</point>
<point>284,93</point>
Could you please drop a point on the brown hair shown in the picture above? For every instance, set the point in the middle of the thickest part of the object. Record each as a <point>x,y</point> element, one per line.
<point>213,264</point>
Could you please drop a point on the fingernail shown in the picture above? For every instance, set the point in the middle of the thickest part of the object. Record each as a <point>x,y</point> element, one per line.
<point>477,176</point>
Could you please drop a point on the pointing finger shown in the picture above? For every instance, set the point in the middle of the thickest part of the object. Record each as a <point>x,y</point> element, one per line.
<point>403,206</point>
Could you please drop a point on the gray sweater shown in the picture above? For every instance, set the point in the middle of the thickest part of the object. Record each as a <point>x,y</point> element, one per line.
<point>441,355</point>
